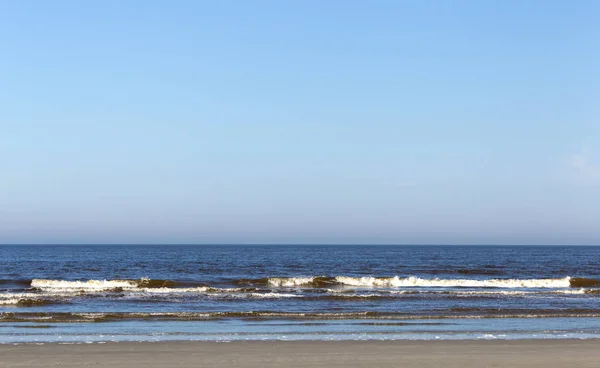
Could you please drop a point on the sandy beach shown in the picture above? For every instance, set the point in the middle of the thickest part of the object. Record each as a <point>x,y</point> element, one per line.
<point>529,353</point>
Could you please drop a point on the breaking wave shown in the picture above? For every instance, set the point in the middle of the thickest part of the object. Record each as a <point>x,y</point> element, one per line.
<point>440,283</point>
<point>313,281</point>
<point>47,291</point>
<point>84,285</point>
<point>159,286</point>
<point>111,284</point>
<point>412,281</point>
<point>26,302</point>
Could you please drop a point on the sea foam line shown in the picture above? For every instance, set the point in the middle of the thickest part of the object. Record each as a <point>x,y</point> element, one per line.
<point>412,281</point>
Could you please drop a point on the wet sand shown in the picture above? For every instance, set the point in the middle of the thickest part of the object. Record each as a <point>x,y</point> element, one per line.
<point>524,353</point>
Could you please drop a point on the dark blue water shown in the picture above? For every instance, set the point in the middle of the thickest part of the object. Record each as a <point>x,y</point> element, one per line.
<point>99,293</point>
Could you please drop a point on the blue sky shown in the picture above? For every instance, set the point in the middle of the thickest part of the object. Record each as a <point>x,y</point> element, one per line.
<point>471,122</point>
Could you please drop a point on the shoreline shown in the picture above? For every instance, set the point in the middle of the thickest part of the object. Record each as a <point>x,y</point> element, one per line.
<point>405,353</point>
<point>527,340</point>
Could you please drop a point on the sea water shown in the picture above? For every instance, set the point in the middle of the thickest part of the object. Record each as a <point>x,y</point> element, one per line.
<point>82,293</point>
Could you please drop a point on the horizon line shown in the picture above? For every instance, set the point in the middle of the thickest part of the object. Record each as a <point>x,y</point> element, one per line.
<point>308,244</point>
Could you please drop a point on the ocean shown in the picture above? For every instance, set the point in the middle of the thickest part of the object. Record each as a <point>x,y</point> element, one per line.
<point>102,293</point>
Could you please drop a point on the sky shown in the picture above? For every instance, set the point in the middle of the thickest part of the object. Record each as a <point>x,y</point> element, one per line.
<point>313,122</point>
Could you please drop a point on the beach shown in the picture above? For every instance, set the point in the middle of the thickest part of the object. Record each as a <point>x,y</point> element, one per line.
<point>519,353</point>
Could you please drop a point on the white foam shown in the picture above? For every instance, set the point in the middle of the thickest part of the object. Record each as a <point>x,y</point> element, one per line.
<point>390,282</point>
<point>64,287</point>
<point>83,285</point>
<point>510,292</point>
<point>270,295</point>
<point>340,291</point>
<point>198,290</point>
<point>19,295</point>
<point>18,299</point>
<point>210,292</point>
<point>290,281</point>
<point>436,282</point>
<point>359,296</point>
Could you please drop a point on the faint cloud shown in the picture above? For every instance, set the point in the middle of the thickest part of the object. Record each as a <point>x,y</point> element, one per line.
<point>588,170</point>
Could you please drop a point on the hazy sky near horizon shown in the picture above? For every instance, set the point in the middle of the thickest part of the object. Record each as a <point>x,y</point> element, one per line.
<point>474,122</point>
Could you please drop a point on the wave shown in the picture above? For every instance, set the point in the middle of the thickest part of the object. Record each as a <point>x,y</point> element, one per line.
<point>584,282</point>
<point>21,282</point>
<point>440,283</point>
<point>28,299</point>
<point>26,302</point>
<point>61,290</point>
<point>315,282</point>
<point>355,297</point>
<point>395,294</point>
<point>208,292</point>
<point>312,281</point>
<point>85,285</point>
<point>59,296</point>
<point>457,313</point>
<point>412,281</point>
<point>111,284</point>
<point>108,288</point>
<point>262,295</point>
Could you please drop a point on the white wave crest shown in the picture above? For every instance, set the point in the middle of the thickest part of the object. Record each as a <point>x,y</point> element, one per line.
<point>83,285</point>
<point>22,299</point>
<point>420,282</point>
<point>19,295</point>
<point>290,281</point>
<point>391,282</point>
<point>11,301</point>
